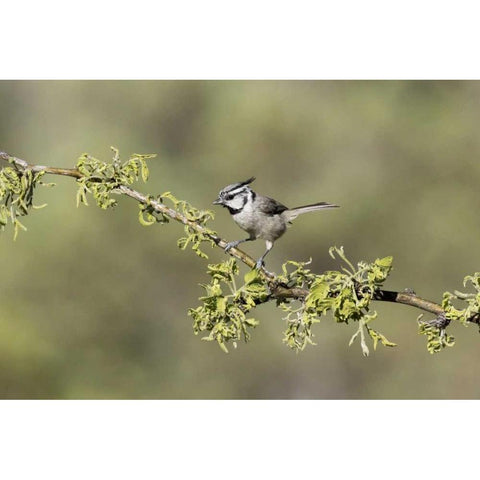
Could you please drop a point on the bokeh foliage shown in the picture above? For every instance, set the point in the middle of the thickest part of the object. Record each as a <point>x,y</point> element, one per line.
<point>399,157</point>
<point>347,293</point>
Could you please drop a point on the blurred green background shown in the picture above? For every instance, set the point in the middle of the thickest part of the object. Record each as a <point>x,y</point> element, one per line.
<point>93,305</point>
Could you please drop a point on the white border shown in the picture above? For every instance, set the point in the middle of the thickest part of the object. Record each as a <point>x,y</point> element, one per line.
<point>240,40</point>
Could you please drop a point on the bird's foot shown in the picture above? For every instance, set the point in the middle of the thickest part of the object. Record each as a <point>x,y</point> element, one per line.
<point>260,263</point>
<point>231,245</point>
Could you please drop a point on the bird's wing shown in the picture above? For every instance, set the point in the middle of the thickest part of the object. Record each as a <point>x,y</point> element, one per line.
<point>269,206</point>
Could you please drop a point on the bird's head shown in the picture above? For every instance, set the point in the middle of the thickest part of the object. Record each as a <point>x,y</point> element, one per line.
<point>235,196</point>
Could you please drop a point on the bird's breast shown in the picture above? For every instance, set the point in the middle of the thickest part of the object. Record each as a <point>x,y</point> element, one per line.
<point>245,220</point>
<point>260,225</point>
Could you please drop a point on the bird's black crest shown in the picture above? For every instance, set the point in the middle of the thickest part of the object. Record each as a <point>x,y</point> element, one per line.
<point>247,182</point>
<point>238,185</point>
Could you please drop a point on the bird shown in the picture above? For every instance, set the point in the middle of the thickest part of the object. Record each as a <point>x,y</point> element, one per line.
<point>260,216</point>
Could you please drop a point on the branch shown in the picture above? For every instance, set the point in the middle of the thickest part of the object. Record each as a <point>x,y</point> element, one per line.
<point>277,289</point>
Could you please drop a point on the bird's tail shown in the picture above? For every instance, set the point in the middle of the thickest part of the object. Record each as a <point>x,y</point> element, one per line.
<point>295,212</point>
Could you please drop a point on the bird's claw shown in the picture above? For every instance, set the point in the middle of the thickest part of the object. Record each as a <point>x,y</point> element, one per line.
<point>230,245</point>
<point>259,264</point>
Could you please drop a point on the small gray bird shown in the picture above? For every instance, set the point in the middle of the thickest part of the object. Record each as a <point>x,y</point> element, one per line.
<point>261,217</point>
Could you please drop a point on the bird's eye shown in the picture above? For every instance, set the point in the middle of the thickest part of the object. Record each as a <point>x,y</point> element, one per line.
<point>228,197</point>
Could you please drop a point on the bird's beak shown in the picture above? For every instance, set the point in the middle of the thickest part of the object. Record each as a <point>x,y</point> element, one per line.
<point>218,201</point>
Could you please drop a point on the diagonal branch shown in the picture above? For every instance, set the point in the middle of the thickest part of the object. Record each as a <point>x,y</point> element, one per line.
<point>278,290</point>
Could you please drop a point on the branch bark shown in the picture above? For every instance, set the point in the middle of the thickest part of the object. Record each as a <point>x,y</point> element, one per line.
<point>277,289</point>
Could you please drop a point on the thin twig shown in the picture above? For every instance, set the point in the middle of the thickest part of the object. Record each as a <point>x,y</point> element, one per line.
<point>278,290</point>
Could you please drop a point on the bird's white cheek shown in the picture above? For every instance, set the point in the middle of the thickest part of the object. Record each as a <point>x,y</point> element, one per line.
<point>236,203</point>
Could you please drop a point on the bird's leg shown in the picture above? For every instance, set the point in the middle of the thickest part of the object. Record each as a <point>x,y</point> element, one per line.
<point>236,243</point>
<point>260,260</point>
